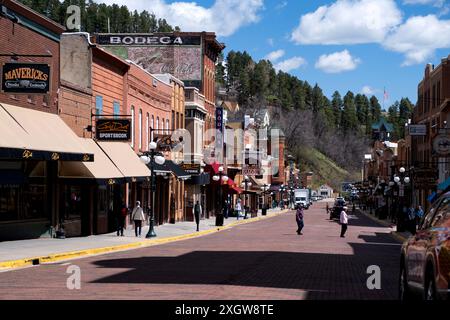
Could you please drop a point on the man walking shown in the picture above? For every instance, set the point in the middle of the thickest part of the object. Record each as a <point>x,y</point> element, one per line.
<point>138,216</point>
<point>122,215</point>
<point>299,219</point>
<point>344,221</point>
<point>197,213</point>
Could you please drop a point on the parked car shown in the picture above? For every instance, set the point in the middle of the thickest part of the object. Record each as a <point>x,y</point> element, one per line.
<point>425,256</point>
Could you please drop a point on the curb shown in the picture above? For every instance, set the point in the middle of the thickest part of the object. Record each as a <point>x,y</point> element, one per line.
<point>397,236</point>
<point>141,244</point>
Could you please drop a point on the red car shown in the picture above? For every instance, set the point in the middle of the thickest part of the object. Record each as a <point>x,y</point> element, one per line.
<point>425,257</point>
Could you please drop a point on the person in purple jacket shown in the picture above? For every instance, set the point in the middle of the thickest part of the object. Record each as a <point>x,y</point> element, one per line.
<point>299,219</point>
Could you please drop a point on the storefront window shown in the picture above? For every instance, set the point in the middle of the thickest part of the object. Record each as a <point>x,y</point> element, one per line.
<point>34,201</point>
<point>102,200</point>
<point>72,203</point>
<point>9,199</point>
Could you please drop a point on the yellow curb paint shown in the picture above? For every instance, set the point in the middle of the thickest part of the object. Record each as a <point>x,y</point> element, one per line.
<point>147,243</point>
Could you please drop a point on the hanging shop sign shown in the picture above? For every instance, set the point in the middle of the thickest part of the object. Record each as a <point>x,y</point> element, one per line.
<point>165,142</point>
<point>219,128</point>
<point>113,129</point>
<point>191,168</point>
<point>26,78</point>
<point>417,130</point>
<point>441,145</point>
<point>252,170</point>
<point>425,178</point>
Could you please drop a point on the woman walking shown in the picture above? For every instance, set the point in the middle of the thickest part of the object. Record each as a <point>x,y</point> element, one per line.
<point>299,219</point>
<point>138,216</point>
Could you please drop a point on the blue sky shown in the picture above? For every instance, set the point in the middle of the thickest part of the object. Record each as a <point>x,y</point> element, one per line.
<point>357,45</point>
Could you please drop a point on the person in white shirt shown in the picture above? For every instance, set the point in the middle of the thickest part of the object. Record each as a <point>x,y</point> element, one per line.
<point>344,221</point>
<point>238,208</point>
<point>138,217</point>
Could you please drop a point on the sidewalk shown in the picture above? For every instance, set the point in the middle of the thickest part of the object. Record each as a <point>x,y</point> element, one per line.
<point>399,236</point>
<point>29,252</point>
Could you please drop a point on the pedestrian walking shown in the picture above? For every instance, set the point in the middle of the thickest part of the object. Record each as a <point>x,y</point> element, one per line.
<point>299,219</point>
<point>328,208</point>
<point>411,220</point>
<point>344,221</point>
<point>226,209</point>
<point>121,217</point>
<point>419,214</point>
<point>138,217</point>
<point>197,212</point>
<point>238,209</point>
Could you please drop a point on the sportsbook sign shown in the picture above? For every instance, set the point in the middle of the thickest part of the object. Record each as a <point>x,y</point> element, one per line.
<point>113,130</point>
<point>26,78</point>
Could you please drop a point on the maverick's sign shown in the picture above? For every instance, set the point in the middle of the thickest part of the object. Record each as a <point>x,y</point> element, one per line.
<point>26,78</point>
<point>147,40</point>
<point>113,130</point>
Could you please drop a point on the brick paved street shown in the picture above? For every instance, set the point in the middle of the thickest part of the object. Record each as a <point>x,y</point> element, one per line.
<point>260,260</point>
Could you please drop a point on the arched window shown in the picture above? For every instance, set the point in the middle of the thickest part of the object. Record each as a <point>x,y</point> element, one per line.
<point>132,126</point>
<point>167,126</point>
<point>140,129</point>
<point>152,125</point>
<point>147,124</point>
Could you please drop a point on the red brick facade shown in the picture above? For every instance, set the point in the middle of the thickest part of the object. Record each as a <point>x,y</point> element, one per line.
<point>19,38</point>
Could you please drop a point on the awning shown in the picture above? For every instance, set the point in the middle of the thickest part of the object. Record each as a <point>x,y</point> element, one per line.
<point>37,135</point>
<point>213,167</point>
<point>444,185</point>
<point>103,170</point>
<point>201,179</point>
<point>432,197</point>
<point>177,170</point>
<point>126,160</point>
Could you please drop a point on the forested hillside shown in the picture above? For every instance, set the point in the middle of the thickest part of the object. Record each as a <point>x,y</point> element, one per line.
<point>339,127</point>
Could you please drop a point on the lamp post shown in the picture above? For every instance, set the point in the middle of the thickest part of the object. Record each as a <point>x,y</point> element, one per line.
<point>265,188</point>
<point>220,177</point>
<point>400,181</point>
<point>151,158</point>
<point>282,190</point>
<point>246,184</point>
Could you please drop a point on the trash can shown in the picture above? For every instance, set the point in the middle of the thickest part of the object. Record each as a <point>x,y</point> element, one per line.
<point>219,220</point>
<point>264,210</point>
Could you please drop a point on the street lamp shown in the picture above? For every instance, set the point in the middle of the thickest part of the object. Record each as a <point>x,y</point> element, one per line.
<point>282,190</point>
<point>246,184</point>
<point>400,181</point>
<point>265,188</point>
<point>151,158</point>
<point>219,178</point>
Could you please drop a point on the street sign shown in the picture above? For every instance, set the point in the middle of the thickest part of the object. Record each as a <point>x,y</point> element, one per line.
<point>192,168</point>
<point>417,130</point>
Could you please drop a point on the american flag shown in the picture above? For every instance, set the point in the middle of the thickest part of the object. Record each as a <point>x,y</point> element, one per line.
<point>386,95</point>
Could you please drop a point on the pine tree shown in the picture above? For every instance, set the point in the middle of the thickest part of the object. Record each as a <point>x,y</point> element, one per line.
<point>336,105</point>
<point>349,120</point>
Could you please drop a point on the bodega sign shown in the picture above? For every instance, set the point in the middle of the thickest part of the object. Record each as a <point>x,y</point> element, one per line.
<point>26,78</point>
<point>147,40</point>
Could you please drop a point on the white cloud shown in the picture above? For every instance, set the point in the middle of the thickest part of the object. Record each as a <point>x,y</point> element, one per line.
<point>436,3</point>
<point>281,5</point>
<point>368,91</point>
<point>274,55</point>
<point>419,37</point>
<point>224,17</point>
<point>271,42</point>
<point>337,62</point>
<point>348,22</point>
<point>290,64</point>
